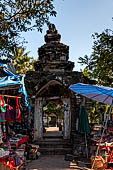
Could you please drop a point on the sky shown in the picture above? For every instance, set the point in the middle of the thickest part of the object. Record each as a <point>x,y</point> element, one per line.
<point>76,21</point>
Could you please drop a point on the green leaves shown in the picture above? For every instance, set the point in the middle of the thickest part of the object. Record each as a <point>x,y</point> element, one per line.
<point>99,65</point>
<point>22,61</point>
<point>54,108</point>
<point>21,15</point>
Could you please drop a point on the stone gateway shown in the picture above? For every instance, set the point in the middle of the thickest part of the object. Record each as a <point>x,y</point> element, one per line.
<point>49,85</point>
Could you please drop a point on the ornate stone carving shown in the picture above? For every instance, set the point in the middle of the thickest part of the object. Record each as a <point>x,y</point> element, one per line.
<point>53,56</point>
<point>52,28</point>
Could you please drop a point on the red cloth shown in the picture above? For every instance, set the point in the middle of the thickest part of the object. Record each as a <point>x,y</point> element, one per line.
<point>3,159</point>
<point>1,101</point>
<point>9,164</point>
<point>23,140</point>
<point>18,111</point>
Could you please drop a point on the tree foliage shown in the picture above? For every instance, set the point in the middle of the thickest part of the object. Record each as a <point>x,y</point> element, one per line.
<point>53,108</point>
<point>21,15</point>
<point>96,111</point>
<point>22,62</point>
<point>99,65</point>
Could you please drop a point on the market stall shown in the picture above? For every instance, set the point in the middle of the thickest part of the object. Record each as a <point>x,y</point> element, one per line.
<point>103,141</point>
<point>14,120</point>
<point>104,146</point>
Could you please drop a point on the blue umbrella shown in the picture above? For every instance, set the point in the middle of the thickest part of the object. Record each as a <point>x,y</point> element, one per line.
<point>99,93</point>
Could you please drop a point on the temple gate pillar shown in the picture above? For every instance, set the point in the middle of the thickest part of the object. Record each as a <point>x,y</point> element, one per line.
<point>38,125</point>
<point>67,118</point>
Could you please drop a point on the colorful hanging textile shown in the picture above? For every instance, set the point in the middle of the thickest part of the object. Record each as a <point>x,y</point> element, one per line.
<point>10,114</point>
<point>9,164</point>
<point>18,115</point>
<point>2,104</point>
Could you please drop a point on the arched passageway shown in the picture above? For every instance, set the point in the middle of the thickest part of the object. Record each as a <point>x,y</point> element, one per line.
<point>53,115</point>
<point>52,109</point>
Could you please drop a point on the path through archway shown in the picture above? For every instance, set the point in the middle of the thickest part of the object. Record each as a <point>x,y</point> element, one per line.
<point>53,116</point>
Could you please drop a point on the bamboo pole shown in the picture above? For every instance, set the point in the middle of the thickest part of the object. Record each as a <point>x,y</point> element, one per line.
<point>9,96</point>
<point>102,136</point>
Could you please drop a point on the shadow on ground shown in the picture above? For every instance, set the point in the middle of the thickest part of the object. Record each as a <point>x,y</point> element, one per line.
<point>55,162</point>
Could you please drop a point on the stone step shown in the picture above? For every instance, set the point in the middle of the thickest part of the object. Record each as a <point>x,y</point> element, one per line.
<point>59,142</point>
<point>55,151</point>
<point>52,135</point>
<point>55,145</point>
<point>49,140</point>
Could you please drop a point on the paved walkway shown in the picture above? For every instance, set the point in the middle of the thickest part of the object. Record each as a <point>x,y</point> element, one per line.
<point>54,162</point>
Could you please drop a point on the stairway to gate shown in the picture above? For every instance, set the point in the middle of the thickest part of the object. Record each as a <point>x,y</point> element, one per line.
<point>54,144</point>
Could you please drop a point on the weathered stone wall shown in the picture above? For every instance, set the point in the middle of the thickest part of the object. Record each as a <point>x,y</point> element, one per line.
<point>74,113</point>
<point>53,65</point>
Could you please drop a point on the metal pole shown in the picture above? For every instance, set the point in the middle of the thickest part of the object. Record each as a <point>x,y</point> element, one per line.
<point>102,136</point>
<point>86,145</point>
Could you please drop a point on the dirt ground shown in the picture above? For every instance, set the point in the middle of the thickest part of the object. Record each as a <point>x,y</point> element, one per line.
<point>54,162</point>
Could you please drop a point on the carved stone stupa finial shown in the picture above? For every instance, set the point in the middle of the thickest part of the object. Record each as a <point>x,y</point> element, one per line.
<point>52,28</point>
<point>53,55</point>
<point>52,34</point>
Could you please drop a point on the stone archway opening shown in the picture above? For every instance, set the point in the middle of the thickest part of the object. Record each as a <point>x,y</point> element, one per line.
<point>55,94</point>
<point>53,115</point>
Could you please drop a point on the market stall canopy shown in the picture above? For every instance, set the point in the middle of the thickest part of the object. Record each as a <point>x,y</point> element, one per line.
<point>9,80</point>
<point>98,93</point>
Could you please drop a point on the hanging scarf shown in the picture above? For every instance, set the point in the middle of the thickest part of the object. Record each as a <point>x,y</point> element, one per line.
<point>2,104</point>
<point>18,118</point>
